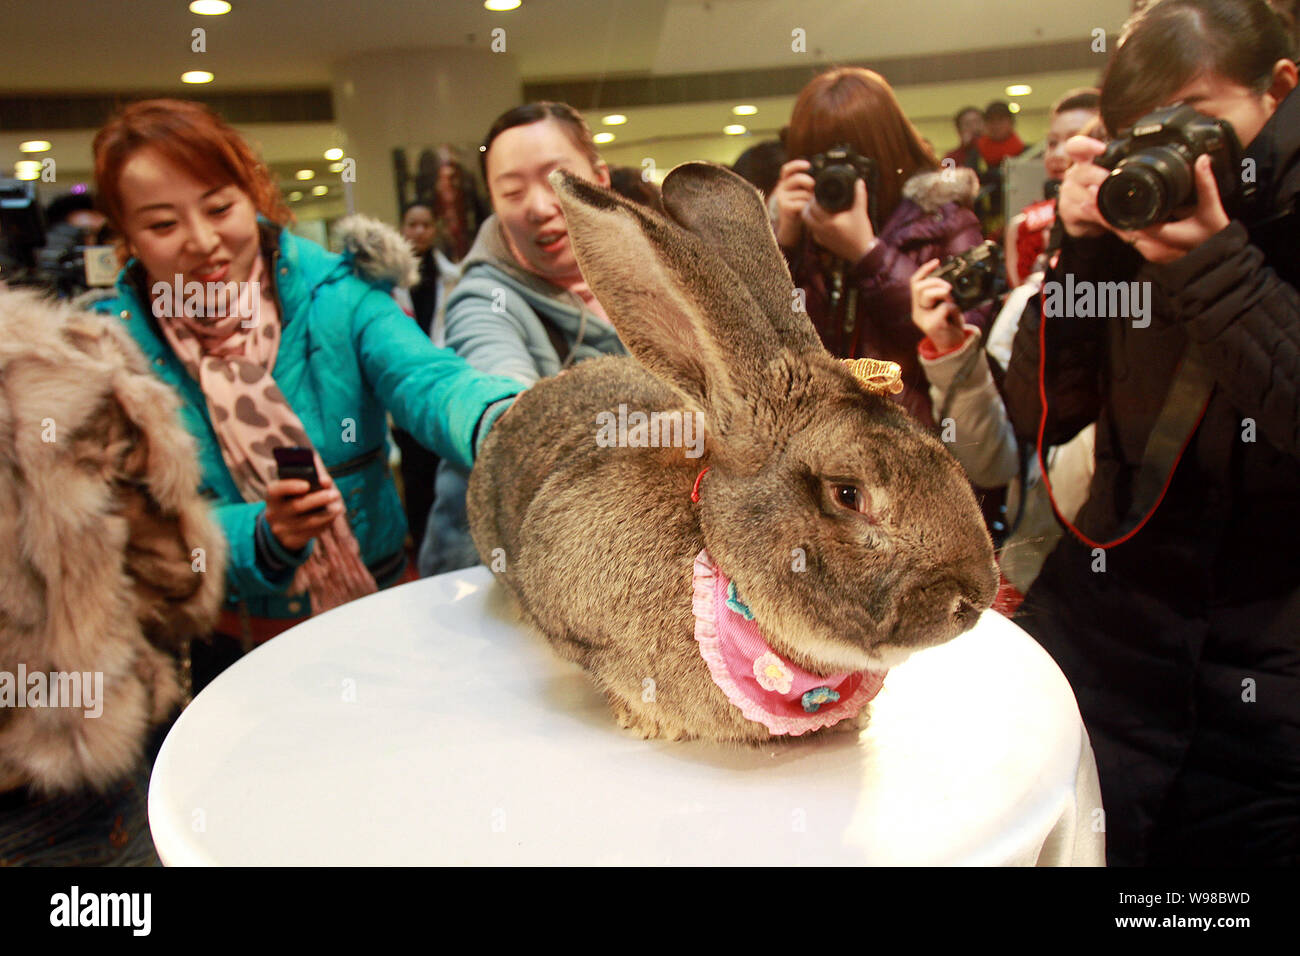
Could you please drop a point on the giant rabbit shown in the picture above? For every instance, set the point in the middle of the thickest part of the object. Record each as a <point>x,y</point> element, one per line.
<point>829,538</point>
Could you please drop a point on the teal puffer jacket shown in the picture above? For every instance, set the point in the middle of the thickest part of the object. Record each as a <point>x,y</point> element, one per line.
<point>347,353</point>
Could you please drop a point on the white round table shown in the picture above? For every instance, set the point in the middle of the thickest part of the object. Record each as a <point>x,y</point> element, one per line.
<point>427,725</point>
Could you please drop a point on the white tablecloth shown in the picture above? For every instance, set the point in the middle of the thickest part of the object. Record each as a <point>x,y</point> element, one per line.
<point>426,725</point>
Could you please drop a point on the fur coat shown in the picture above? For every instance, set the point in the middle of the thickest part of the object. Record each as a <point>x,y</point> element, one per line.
<point>108,556</point>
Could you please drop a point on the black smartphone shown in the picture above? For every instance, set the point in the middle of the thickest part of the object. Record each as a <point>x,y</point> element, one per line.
<point>295,461</point>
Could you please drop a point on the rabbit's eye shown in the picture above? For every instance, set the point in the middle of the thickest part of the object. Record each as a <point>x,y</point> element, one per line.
<point>849,496</point>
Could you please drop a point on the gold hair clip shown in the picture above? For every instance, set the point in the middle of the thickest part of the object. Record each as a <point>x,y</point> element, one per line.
<point>876,375</point>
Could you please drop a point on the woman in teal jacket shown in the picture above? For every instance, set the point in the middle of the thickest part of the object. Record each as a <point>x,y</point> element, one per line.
<point>311,352</point>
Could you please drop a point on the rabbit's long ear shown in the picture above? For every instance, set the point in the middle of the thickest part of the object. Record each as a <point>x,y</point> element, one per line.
<point>729,215</point>
<point>677,306</point>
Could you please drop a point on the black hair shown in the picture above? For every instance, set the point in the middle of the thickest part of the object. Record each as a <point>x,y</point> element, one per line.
<point>956,117</point>
<point>997,108</point>
<point>64,206</point>
<point>1084,98</point>
<point>415,203</point>
<point>1168,44</point>
<point>629,182</point>
<point>570,121</point>
<point>761,164</point>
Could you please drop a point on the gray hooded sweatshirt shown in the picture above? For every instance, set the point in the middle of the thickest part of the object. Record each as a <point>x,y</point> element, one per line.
<point>493,321</point>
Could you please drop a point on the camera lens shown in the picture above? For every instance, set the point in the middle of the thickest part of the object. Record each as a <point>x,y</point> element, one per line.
<point>1146,187</point>
<point>834,188</point>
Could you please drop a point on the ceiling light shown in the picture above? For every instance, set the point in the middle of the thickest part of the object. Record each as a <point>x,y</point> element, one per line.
<point>34,146</point>
<point>500,6</point>
<point>209,8</point>
<point>614,119</point>
<point>27,169</point>
<point>735,129</point>
<point>196,76</point>
<point>603,138</point>
<point>744,109</point>
<point>1019,89</point>
<point>1013,107</point>
<point>305,174</point>
<point>295,196</point>
<point>319,190</point>
<point>336,167</point>
<point>334,153</point>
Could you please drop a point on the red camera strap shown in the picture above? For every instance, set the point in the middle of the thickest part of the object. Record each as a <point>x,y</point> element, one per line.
<point>1179,418</point>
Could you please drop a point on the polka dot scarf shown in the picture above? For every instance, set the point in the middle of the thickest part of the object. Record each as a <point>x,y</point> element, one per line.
<point>232,357</point>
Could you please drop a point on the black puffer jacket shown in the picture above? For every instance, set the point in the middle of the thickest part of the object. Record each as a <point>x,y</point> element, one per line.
<point>1184,652</point>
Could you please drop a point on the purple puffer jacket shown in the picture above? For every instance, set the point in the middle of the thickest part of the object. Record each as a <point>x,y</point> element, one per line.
<point>933,221</point>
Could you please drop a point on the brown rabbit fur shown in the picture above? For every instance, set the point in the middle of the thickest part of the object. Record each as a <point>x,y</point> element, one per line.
<point>599,542</point>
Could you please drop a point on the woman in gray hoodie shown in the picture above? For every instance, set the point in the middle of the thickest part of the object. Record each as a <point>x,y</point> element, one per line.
<point>521,308</point>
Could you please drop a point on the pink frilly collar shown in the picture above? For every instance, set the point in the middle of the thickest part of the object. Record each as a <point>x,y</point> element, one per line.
<point>767,688</point>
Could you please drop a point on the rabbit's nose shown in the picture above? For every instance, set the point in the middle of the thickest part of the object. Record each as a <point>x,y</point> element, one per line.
<point>964,613</point>
<point>948,601</point>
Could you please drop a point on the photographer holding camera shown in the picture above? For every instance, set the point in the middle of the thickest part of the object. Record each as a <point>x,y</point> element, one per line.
<point>863,205</point>
<point>1172,604</point>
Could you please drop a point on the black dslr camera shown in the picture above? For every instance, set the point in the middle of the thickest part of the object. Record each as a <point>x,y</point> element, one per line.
<point>973,275</point>
<point>1152,169</point>
<point>836,172</point>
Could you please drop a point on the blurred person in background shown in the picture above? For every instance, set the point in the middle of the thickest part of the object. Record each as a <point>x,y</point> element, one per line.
<point>421,301</point>
<point>632,184</point>
<point>521,308</point>
<point>281,343</point>
<point>761,165</point>
<point>1028,230</point>
<point>969,123</point>
<point>999,141</point>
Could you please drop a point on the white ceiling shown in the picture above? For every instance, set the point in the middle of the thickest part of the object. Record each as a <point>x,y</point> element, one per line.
<point>62,45</point>
<point>120,46</point>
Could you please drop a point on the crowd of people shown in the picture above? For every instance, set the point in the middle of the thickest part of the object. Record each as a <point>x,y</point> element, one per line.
<point>1141,477</point>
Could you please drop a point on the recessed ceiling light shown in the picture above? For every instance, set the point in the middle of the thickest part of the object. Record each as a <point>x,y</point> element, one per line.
<point>1014,107</point>
<point>295,196</point>
<point>744,109</point>
<point>500,6</point>
<point>603,138</point>
<point>336,167</point>
<point>614,119</point>
<point>34,146</point>
<point>735,129</point>
<point>334,153</point>
<point>27,169</point>
<point>305,174</point>
<point>1019,89</point>
<point>196,76</point>
<point>319,190</point>
<point>209,8</point>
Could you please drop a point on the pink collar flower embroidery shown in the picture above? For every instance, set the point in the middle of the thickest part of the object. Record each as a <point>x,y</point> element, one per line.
<point>779,694</point>
<point>772,673</point>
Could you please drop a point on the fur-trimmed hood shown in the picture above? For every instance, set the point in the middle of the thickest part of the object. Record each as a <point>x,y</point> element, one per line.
<point>108,556</point>
<point>378,251</point>
<point>933,189</point>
